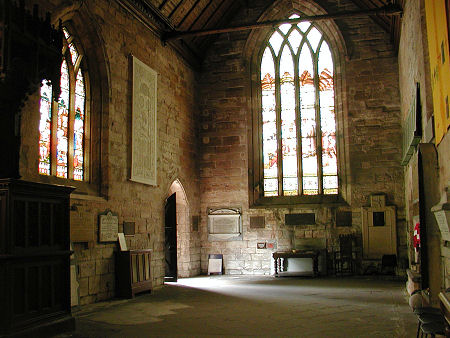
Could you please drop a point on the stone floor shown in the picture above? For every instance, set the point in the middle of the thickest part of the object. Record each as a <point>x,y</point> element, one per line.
<point>230,306</point>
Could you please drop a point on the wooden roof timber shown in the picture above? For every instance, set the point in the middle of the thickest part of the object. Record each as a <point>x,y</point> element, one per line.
<point>387,10</point>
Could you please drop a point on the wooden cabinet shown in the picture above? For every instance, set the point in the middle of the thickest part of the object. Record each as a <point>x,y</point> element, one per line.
<point>34,257</point>
<point>133,272</point>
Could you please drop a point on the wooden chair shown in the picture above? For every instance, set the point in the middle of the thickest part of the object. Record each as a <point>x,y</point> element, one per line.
<point>345,257</point>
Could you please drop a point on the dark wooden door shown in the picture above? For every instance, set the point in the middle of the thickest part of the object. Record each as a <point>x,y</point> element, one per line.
<point>170,228</point>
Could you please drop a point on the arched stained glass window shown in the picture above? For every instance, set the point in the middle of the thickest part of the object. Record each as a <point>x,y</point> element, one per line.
<point>298,113</point>
<point>63,124</point>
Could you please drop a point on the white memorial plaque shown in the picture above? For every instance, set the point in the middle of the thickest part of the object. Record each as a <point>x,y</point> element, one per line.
<point>108,227</point>
<point>144,131</point>
<point>224,224</point>
<point>441,218</point>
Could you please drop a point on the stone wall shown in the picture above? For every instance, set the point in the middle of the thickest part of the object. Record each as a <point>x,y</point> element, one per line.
<point>371,133</point>
<point>444,176</point>
<point>414,68</point>
<point>109,35</point>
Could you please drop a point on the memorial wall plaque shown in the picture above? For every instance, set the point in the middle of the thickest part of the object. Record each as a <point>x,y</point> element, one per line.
<point>442,221</point>
<point>129,228</point>
<point>343,218</point>
<point>108,227</point>
<point>224,224</point>
<point>257,222</point>
<point>144,127</point>
<point>442,214</point>
<point>82,225</point>
<point>306,218</point>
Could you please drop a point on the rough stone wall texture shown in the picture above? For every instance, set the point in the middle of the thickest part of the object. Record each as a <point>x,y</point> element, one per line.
<point>370,71</point>
<point>177,149</point>
<point>444,176</point>
<point>414,67</point>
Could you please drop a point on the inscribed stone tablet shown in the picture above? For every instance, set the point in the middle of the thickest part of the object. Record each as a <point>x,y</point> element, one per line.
<point>108,228</point>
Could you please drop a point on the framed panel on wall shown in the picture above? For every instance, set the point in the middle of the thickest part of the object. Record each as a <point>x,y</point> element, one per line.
<point>144,127</point>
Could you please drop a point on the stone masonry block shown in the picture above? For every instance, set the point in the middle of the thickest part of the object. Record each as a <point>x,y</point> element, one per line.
<point>107,253</point>
<point>87,269</point>
<point>83,286</point>
<point>107,282</point>
<point>94,285</point>
<point>101,266</point>
<point>87,300</point>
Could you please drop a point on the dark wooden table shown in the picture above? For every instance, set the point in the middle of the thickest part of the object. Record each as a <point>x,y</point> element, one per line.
<point>280,258</point>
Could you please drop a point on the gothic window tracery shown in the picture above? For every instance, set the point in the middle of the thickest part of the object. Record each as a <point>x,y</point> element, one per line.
<point>298,117</point>
<point>62,126</point>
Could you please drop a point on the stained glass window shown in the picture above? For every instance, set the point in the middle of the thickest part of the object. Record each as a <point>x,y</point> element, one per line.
<point>298,113</point>
<point>45,128</point>
<point>62,125</point>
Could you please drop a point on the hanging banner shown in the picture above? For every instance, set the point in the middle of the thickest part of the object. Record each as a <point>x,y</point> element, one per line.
<point>438,47</point>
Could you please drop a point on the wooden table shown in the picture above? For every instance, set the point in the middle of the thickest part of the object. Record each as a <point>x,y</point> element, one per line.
<point>280,258</point>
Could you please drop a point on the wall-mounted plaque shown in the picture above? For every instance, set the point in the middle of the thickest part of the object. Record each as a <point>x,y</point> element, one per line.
<point>343,218</point>
<point>129,228</point>
<point>224,224</point>
<point>108,227</point>
<point>379,228</point>
<point>257,222</point>
<point>82,224</point>
<point>442,214</point>
<point>144,130</point>
<point>308,218</point>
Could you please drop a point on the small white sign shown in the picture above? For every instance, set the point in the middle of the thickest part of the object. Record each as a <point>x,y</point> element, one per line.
<point>442,219</point>
<point>122,242</point>
<point>215,265</point>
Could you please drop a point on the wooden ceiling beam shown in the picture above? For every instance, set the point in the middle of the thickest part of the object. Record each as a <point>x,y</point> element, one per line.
<point>161,6</point>
<point>175,8</point>
<point>200,15</point>
<point>213,13</point>
<point>378,19</point>
<point>387,10</point>
<point>188,13</point>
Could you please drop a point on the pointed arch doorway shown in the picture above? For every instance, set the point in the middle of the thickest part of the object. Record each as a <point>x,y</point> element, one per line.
<point>177,233</point>
<point>170,239</point>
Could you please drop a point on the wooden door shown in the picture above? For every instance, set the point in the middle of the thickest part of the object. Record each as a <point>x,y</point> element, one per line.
<point>171,271</point>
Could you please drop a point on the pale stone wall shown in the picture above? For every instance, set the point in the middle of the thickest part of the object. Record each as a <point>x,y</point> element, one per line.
<point>373,135</point>
<point>414,67</point>
<point>109,35</point>
<point>444,176</point>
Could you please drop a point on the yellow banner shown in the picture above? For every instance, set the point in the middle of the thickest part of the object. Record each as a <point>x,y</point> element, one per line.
<point>438,47</point>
